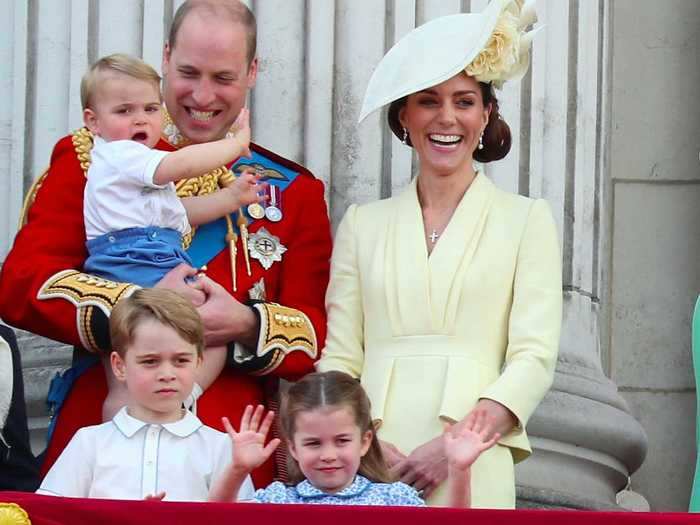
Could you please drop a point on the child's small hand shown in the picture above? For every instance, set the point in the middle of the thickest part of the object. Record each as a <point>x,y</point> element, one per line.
<point>246,189</point>
<point>155,497</point>
<point>249,450</point>
<point>242,132</point>
<point>464,444</point>
<point>200,299</point>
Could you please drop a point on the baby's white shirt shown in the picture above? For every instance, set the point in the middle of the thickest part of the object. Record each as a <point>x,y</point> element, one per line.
<point>120,192</point>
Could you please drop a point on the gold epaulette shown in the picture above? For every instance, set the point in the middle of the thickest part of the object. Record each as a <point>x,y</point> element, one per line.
<point>283,330</point>
<point>86,292</point>
<point>82,142</point>
<point>83,289</point>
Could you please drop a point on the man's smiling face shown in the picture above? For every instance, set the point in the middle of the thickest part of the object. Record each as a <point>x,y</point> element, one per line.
<point>207,76</point>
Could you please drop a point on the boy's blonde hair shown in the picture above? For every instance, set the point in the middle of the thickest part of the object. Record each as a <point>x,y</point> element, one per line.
<point>164,306</point>
<point>127,65</point>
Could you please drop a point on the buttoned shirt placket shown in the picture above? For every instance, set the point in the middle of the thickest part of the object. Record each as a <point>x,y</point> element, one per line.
<point>149,466</point>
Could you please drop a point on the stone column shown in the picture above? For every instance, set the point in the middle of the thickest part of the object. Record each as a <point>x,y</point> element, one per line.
<point>586,444</point>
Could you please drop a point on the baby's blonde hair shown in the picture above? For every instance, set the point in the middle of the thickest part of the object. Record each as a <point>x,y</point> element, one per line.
<point>127,65</point>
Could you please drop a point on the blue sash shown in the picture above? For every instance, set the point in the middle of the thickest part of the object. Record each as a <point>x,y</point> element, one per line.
<point>61,384</point>
<point>210,238</point>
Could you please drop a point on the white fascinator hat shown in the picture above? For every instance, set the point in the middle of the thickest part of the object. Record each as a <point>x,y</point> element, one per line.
<point>492,46</point>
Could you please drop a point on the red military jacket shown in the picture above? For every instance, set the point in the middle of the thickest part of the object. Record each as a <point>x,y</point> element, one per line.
<point>43,289</point>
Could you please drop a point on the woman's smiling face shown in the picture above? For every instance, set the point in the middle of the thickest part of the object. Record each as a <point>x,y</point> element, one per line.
<point>445,122</point>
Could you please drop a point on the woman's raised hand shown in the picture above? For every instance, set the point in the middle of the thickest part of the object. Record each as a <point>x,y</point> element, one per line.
<point>249,449</point>
<point>465,443</point>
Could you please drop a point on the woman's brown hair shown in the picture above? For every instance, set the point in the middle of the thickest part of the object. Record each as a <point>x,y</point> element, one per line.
<point>333,389</point>
<point>497,138</point>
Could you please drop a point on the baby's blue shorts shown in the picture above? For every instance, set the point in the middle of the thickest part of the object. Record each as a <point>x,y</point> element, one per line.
<point>136,255</point>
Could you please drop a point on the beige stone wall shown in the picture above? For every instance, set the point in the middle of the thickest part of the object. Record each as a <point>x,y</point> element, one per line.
<point>655,241</point>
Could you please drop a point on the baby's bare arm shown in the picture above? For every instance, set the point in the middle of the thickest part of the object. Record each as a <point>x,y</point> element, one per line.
<point>198,159</point>
<point>241,192</point>
<point>212,364</point>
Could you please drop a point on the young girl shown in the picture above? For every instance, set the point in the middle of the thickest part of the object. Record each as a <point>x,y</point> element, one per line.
<point>335,454</point>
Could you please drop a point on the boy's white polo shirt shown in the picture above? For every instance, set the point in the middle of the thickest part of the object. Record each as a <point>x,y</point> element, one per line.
<point>129,459</point>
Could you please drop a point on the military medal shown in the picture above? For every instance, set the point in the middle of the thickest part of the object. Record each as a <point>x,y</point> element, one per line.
<point>273,212</point>
<point>256,211</point>
<point>265,247</point>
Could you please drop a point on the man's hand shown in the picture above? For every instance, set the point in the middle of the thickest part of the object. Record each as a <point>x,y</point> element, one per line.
<point>175,280</point>
<point>246,189</point>
<point>424,468</point>
<point>225,319</point>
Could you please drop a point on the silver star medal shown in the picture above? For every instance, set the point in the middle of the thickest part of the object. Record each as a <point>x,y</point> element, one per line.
<point>265,247</point>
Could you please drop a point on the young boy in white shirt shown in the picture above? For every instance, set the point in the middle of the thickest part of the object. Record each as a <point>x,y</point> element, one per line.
<point>134,220</point>
<point>152,448</point>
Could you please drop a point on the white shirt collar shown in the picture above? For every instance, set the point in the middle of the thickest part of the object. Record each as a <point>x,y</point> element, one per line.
<point>129,425</point>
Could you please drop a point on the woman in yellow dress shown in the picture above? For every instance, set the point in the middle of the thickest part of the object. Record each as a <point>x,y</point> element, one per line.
<point>446,299</point>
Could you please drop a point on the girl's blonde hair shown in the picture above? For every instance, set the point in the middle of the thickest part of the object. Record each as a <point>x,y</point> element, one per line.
<point>332,389</point>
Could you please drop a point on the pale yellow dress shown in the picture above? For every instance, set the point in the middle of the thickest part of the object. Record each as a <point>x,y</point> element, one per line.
<point>429,336</point>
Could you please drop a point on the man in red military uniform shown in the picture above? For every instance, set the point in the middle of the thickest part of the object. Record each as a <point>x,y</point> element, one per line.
<point>267,269</point>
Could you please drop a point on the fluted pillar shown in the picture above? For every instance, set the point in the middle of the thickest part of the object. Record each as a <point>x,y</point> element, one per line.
<point>586,444</point>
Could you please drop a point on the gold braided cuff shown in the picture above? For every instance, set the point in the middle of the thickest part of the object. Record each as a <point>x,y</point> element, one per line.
<point>93,298</point>
<point>283,330</point>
